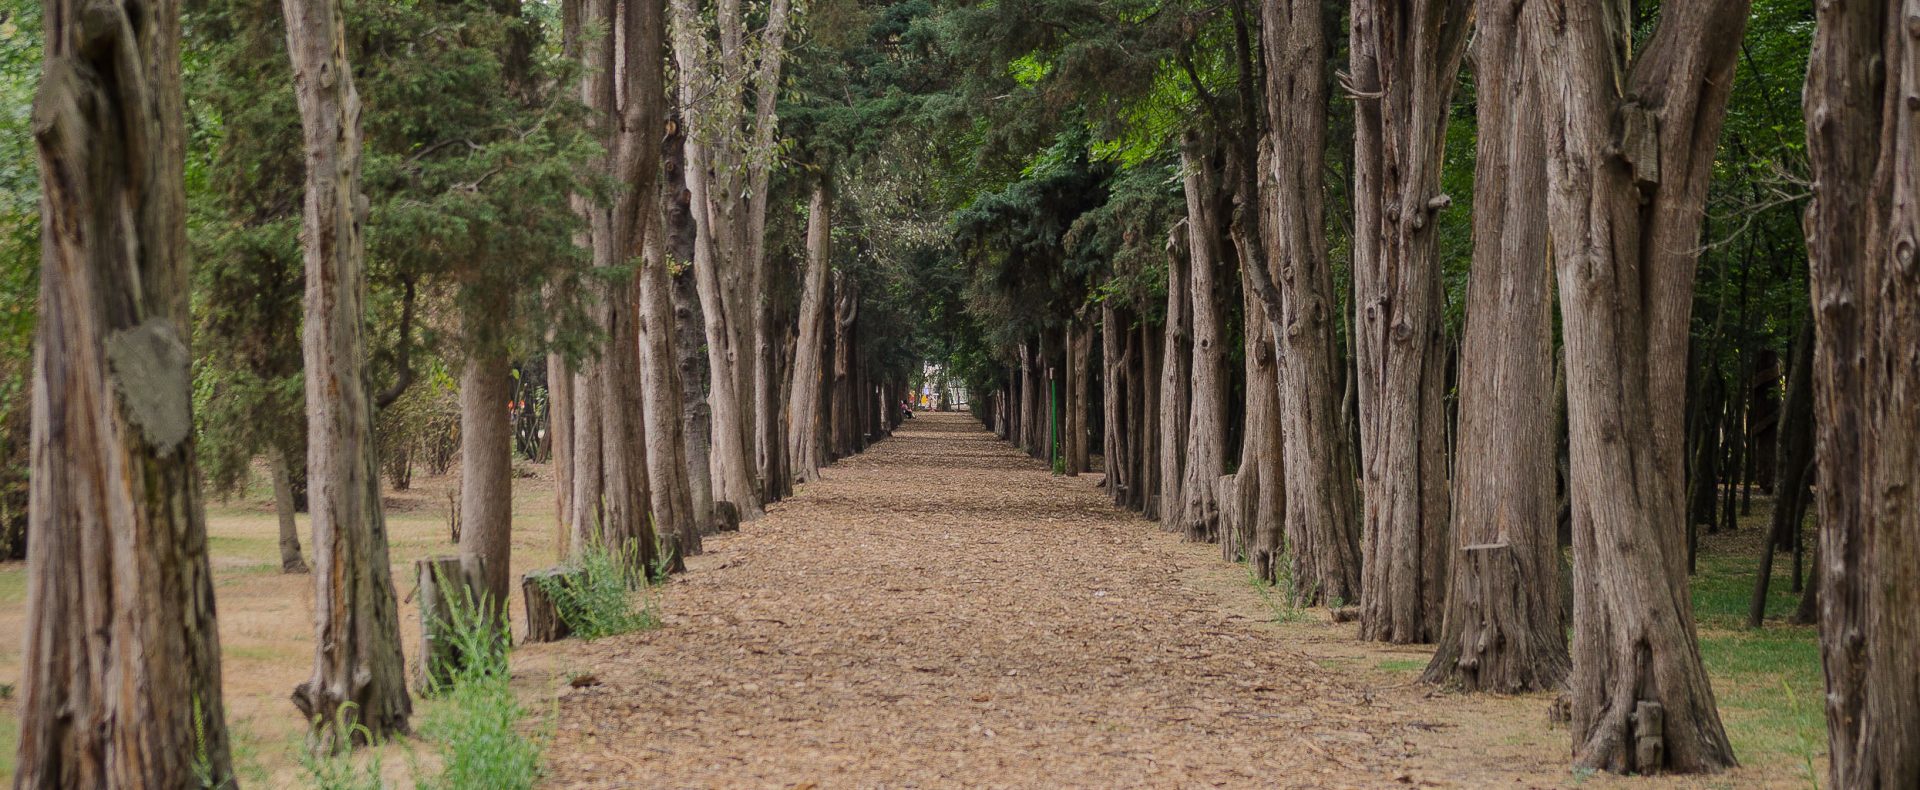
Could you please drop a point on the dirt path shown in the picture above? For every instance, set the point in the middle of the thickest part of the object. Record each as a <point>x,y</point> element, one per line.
<point>940,611</point>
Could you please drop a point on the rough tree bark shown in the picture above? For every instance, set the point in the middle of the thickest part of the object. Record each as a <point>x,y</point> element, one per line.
<point>1116,412</point>
<point>1295,284</point>
<point>1259,495</point>
<point>666,449</point>
<point>120,671</point>
<point>689,329</point>
<point>670,467</point>
<point>357,656</point>
<point>1079,353</point>
<point>486,467</point>
<point>1175,364</point>
<point>1863,134</point>
<point>846,309</point>
<point>1206,449</point>
<point>805,409</point>
<point>1405,57</point>
<point>636,118</point>
<point>1630,144</point>
<point>560,429</point>
<point>1502,631</point>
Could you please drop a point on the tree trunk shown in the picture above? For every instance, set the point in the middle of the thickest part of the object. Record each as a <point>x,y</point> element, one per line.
<point>1763,417</point>
<point>1079,353</point>
<point>1863,131</point>
<point>845,311</point>
<point>673,502</point>
<point>1795,475</point>
<point>1502,632</point>
<point>1262,503</point>
<point>120,671</point>
<point>732,474</point>
<point>358,678</point>
<point>560,432</point>
<point>290,561</point>
<point>1147,404</point>
<point>804,410</point>
<point>1116,415</point>
<point>638,118</point>
<point>1295,284</point>
<point>1206,450</point>
<point>486,473</point>
<point>1175,367</point>
<point>1405,60</point>
<point>689,334</point>
<point>1629,154</point>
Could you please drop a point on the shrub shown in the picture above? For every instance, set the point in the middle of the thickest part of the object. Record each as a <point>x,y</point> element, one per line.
<point>596,599</point>
<point>476,727</point>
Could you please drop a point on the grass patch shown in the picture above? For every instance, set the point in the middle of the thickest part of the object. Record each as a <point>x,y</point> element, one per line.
<point>1767,681</point>
<point>596,600</point>
<point>476,728</point>
<point>9,742</point>
<point>1401,665</point>
<point>1283,604</point>
<point>1769,686</point>
<point>13,585</point>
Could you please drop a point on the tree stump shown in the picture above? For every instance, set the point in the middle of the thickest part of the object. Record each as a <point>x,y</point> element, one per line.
<point>726,516</point>
<point>544,623</point>
<point>442,584</point>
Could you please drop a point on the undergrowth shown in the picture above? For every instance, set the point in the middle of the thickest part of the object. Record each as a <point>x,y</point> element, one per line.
<point>596,599</point>
<point>342,769</point>
<point>475,728</point>
<point>1279,595</point>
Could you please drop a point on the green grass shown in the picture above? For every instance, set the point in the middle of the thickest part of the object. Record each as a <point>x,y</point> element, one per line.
<point>13,585</point>
<point>1401,665</point>
<point>1767,681</point>
<point>9,742</point>
<point>476,727</point>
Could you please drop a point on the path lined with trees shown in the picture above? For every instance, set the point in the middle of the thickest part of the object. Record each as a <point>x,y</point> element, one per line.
<point>939,610</point>
<point>1464,319</point>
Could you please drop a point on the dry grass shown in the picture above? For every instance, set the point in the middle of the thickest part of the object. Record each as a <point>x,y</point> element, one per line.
<point>266,617</point>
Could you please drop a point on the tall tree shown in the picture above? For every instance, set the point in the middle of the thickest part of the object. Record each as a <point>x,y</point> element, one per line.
<point>1175,384</point>
<point>729,81</point>
<point>1405,58</point>
<point>1205,455</point>
<point>1295,283</point>
<point>120,677</point>
<point>1863,136</point>
<point>358,678</point>
<point>1630,136</point>
<point>805,411</point>
<point>1502,631</point>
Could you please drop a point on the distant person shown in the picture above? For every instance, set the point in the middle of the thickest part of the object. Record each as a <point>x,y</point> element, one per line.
<point>906,408</point>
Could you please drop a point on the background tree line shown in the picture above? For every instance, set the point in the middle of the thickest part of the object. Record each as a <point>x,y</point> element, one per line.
<point>1464,318</point>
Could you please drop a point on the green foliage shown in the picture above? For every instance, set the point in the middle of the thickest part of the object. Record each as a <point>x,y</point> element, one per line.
<point>474,143</point>
<point>476,724</point>
<point>19,259</point>
<point>596,599</point>
<point>1278,595</point>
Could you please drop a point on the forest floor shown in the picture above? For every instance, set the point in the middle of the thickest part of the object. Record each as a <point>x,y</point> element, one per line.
<point>940,612</point>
